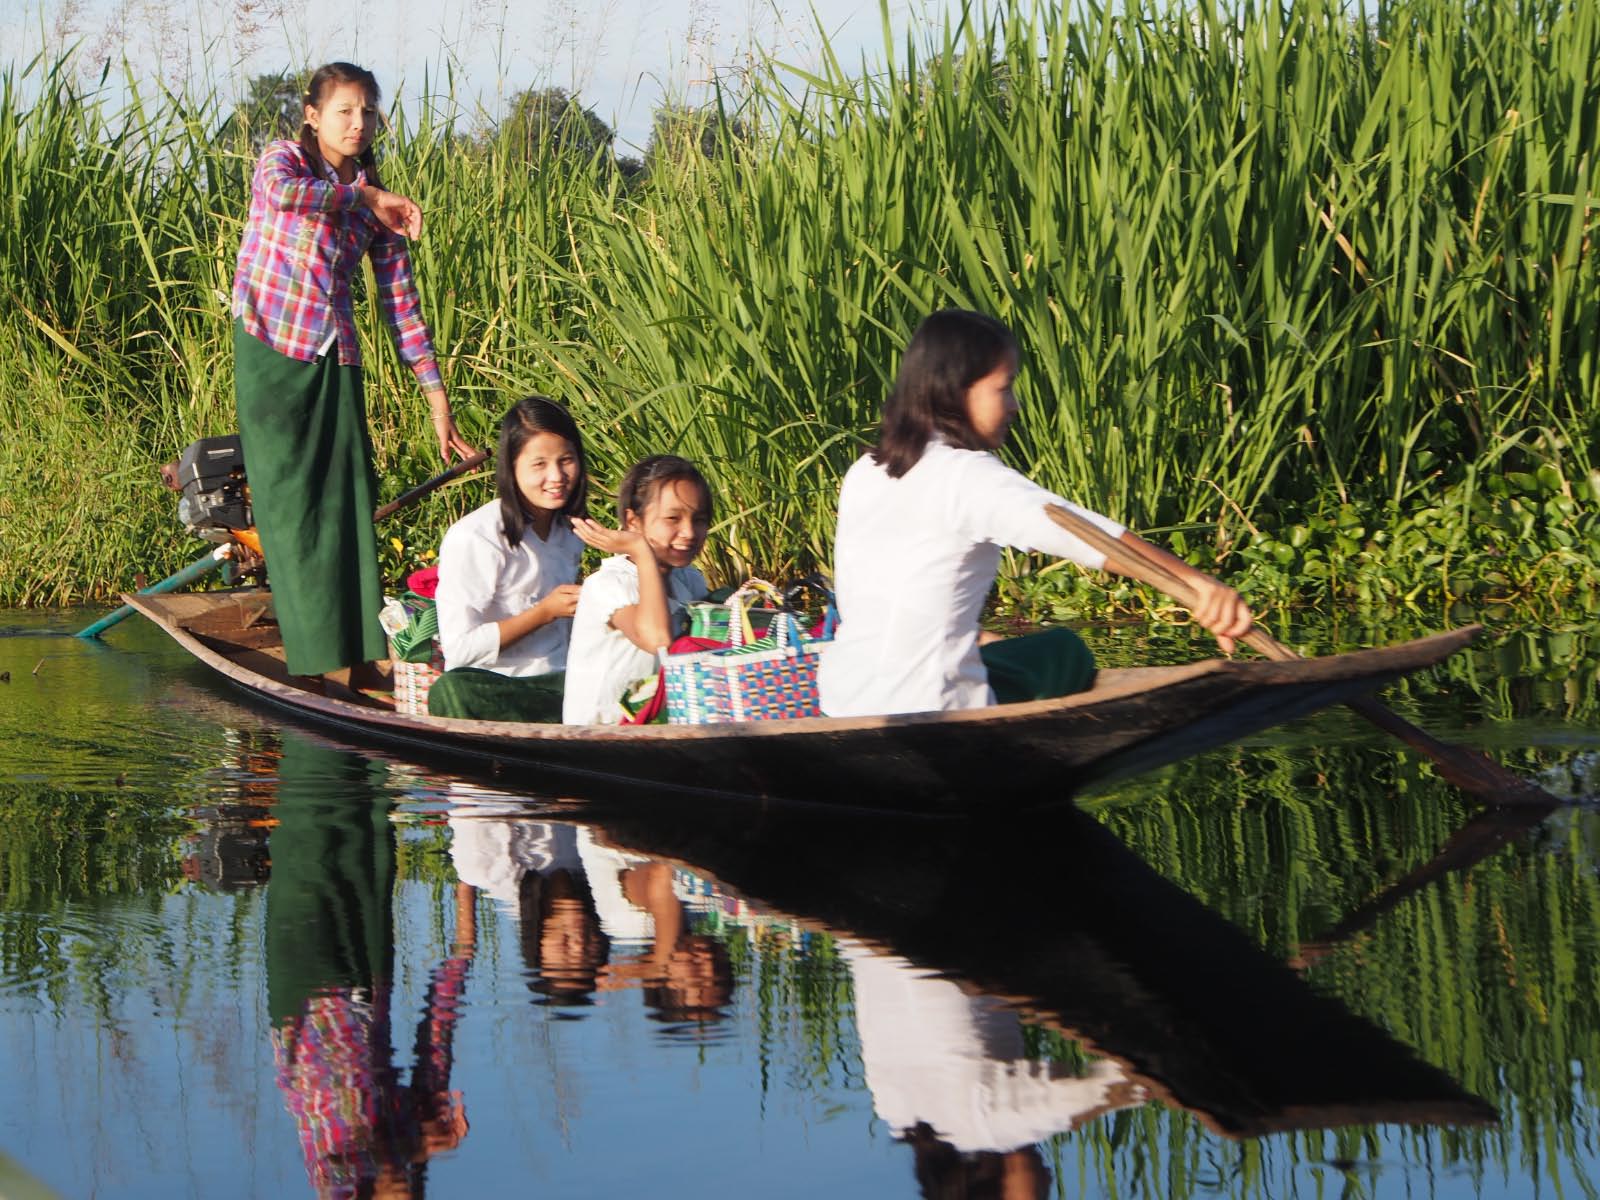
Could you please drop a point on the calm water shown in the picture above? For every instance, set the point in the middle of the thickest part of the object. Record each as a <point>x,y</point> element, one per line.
<point>239,959</point>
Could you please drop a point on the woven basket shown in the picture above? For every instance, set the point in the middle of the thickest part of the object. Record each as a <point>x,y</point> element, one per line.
<point>773,679</point>
<point>412,681</point>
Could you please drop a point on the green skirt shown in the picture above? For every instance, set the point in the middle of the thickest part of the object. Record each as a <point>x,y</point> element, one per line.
<point>1038,666</point>
<point>479,695</point>
<point>308,458</point>
<point>330,918</point>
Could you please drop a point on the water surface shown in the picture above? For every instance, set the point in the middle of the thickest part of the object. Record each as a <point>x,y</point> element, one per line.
<point>238,958</point>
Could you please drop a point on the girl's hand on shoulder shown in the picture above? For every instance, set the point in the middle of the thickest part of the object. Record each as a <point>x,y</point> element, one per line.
<point>395,213</point>
<point>562,602</point>
<point>612,541</point>
<point>1223,612</point>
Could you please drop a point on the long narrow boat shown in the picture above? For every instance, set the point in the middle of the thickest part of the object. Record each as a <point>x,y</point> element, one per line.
<point>1010,757</point>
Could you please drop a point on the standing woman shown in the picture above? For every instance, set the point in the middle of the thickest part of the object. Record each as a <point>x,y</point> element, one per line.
<point>316,208</point>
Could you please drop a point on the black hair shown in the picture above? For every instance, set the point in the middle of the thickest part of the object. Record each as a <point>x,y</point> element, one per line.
<point>568,984</point>
<point>327,76</point>
<point>949,352</point>
<point>646,478</point>
<point>525,420</point>
<point>945,1173</point>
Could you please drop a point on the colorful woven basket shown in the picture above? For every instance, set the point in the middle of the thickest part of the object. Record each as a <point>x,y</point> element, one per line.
<point>772,679</point>
<point>412,681</point>
<point>709,619</point>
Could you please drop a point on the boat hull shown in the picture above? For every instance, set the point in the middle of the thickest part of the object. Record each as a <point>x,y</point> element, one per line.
<point>1012,757</point>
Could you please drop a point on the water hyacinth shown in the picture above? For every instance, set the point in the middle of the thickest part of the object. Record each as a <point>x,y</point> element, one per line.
<point>1264,260</point>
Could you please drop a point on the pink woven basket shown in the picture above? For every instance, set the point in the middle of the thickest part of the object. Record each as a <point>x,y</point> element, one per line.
<point>412,682</point>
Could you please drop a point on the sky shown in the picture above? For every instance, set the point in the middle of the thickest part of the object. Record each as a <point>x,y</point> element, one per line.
<point>623,58</point>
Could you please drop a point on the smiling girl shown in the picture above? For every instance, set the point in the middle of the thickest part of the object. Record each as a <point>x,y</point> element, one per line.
<point>316,210</point>
<point>508,572</point>
<point>922,519</point>
<point>630,607</point>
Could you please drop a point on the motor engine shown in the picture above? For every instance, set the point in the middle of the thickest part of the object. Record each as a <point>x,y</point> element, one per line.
<point>215,504</point>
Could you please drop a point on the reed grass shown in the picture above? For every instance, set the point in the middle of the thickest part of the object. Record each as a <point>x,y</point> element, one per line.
<point>1264,260</point>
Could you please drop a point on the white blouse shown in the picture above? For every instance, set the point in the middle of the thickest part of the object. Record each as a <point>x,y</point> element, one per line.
<point>482,581</point>
<point>603,661</point>
<point>914,559</point>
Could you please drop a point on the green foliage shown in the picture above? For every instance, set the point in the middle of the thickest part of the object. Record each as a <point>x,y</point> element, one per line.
<point>680,131</point>
<point>549,123</point>
<point>1265,262</point>
<point>1520,541</point>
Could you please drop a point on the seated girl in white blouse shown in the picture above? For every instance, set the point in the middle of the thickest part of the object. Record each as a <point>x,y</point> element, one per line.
<point>631,607</point>
<point>922,519</point>
<point>508,576</point>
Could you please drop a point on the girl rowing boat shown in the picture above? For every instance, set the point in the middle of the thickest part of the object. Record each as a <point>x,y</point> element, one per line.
<point>922,519</point>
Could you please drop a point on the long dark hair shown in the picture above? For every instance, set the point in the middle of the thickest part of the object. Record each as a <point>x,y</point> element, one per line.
<point>526,419</point>
<point>647,477</point>
<point>570,984</point>
<point>324,77</point>
<point>950,351</point>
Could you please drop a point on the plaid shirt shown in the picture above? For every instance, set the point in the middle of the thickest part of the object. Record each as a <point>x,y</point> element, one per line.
<point>303,241</point>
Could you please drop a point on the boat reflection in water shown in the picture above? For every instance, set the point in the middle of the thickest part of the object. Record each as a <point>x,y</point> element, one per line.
<point>1010,981</point>
<point>948,1067</point>
<point>1053,919</point>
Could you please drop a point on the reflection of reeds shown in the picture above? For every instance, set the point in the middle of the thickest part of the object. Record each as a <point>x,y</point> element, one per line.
<point>1488,971</point>
<point>1257,257</point>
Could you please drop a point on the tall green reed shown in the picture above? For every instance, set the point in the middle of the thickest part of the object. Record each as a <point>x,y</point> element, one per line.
<point>1264,259</point>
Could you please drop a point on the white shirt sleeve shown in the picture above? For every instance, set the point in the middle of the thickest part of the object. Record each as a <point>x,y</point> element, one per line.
<point>600,658</point>
<point>469,571</point>
<point>996,504</point>
<point>613,587</point>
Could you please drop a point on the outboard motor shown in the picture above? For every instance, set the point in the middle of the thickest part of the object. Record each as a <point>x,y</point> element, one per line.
<point>215,504</point>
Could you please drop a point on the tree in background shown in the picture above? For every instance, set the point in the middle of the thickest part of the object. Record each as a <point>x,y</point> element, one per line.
<point>552,117</point>
<point>681,131</point>
<point>272,108</point>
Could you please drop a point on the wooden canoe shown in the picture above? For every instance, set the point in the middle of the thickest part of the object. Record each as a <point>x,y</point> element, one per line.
<point>1009,757</point>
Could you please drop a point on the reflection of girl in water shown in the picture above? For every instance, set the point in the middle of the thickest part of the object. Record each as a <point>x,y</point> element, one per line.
<point>533,871</point>
<point>330,951</point>
<point>949,1073</point>
<point>945,1173</point>
<point>559,931</point>
<point>687,976</point>
<point>590,918</point>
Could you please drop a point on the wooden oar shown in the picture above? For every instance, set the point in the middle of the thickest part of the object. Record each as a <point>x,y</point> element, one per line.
<point>1466,769</point>
<point>208,562</point>
<point>422,489</point>
<point>212,559</point>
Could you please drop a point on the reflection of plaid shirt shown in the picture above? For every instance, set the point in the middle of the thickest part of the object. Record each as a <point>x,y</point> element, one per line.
<point>303,241</point>
<point>336,1070</point>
